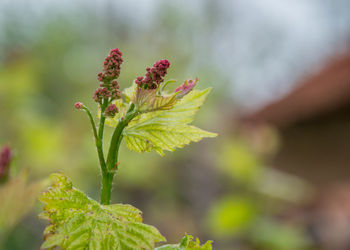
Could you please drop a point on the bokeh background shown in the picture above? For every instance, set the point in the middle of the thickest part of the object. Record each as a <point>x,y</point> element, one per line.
<point>278,175</point>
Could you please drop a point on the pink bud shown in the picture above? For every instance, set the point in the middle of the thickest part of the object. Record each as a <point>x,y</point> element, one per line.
<point>111,110</point>
<point>111,66</point>
<point>78,105</point>
<point>186,87</point>
<point>154,76</point>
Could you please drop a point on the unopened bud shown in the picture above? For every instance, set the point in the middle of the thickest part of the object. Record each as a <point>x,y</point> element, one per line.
<point>111,110</point>
<point>186,87</point>
<point>78,105</point>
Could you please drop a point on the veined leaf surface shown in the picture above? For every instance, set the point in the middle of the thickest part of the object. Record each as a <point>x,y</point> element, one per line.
<point>167,129</point>
<point>78,222</point>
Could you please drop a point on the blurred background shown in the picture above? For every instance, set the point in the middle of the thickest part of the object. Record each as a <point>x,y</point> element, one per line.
<point>278,175</point>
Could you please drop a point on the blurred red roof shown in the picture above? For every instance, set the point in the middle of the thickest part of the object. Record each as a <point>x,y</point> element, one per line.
<point>320,93</point>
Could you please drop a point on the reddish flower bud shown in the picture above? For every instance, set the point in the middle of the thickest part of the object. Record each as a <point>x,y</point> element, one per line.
<point>100,94</point>
<point>139,80</point>
<point>154,76</point>
<point>111,66</point>
<point>78,105</point>
<point>109,87</point>
<point>186,87</point>
<point>115,85</point>
<point>111,110</point>
<point>5,160</point>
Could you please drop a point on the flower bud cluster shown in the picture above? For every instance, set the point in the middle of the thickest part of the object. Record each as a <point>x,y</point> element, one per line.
<point>111,110</point>
<point>101,93</point>
<point>154,76</point>
<point>5,160</point>
<point>109,87</point>
<point>111,66</point>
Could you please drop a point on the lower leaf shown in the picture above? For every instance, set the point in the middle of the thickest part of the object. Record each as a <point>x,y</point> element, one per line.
<point>78,222</point>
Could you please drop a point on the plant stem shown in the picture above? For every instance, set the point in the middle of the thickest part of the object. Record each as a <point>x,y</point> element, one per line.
<point>99,142</point>
<point>112,158</point>
<point>98,137</point>
<point>107,180</point>
<point>92,122</point>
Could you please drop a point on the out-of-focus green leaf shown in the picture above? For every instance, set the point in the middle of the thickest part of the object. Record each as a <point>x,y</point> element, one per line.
<point>238,160</point>
<point>167,129</point>
<point>187,243</point>
<point>232,216</point>
<point>272,235</point>
<point>78,222</point>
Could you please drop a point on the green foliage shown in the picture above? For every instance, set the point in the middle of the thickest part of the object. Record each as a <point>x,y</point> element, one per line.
<point>232,215</point>
<point>187,243</point>
<point>78,222</point>
<point>249,214</point>
<point>247,168</point>
<point>239,161</point>
<point>148,119</point>
<point>272,235</point>
<point>167,129</point>
<point>148,100</point>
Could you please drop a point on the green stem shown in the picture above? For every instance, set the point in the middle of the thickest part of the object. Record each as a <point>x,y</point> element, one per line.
<point>112,158</point>
<point>98,137</point>
<point>99,145</point>
<point>107,180</point>
<point>91,121</point>
<point>99,142</point>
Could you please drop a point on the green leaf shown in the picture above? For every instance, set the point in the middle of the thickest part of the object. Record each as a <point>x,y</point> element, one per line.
<point>167,129</point>
<point>78,222</point>
<point>147,100</point>
<point>275,235</point>
<point>232,215</point>
<point>187,243</point>
<point>163,102</point>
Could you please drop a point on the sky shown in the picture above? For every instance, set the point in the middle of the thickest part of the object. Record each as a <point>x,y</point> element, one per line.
<point>262,47</point>
<point>273,44</point>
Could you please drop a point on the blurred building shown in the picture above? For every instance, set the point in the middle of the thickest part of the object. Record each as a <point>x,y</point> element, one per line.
<point>313,121</point>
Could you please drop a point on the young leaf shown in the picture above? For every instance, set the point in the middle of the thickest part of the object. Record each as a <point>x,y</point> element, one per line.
<point>167,129</point>
<point>149,101</point>
<point>78,222</point>
<point>163,102</point>
<point>187,243</point>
